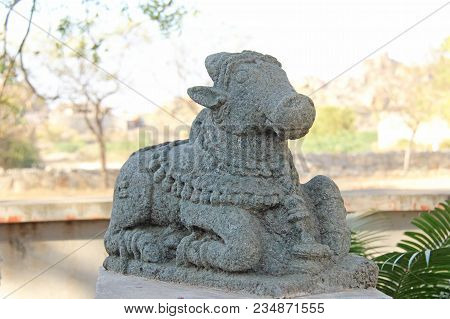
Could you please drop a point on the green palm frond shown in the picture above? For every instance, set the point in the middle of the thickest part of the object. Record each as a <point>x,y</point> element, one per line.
<point>363,240</point>
<point>422,269</point>
<point>435,230</point>
<point>363,243</point>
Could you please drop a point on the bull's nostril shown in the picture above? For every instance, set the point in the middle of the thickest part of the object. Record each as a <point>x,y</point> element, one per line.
<point>296,101</point>
<point>290,101</point>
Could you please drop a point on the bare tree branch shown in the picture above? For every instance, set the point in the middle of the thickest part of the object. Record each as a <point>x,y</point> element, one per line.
<point>19,50</point>
<point>109,93</point>
<point>5,43</point>
<point>88,121</point>
<point>26,77</point>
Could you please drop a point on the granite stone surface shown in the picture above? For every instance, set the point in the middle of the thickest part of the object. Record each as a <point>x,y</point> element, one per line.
<point>225,207</point>
<point>112,285</point>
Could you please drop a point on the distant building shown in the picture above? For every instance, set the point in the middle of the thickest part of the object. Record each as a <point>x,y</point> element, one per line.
<point>136,122</point>
<point>392,130</point>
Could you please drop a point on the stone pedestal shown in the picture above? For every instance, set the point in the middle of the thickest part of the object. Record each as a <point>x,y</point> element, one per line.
<point>111,285</point>
<point>351,272</point>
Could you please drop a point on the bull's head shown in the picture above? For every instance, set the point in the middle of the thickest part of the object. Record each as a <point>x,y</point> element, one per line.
<point>251,93</point>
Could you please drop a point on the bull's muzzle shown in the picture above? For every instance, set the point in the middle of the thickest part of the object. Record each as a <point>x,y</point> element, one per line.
<point>292,117</point>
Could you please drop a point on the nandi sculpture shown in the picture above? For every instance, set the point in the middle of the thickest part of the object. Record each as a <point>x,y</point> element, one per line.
<point>225,208</point>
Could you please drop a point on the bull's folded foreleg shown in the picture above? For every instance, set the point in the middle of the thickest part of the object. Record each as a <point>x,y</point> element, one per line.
<point>330,212</point>
<point>227,238</point>
<point>150,244</point>
<point>137,243</point>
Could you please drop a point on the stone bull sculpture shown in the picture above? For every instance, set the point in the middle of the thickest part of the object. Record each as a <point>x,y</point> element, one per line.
<point>225,207</point>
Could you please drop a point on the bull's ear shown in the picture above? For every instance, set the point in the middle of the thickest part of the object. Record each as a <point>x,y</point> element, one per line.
<point>207,96</point>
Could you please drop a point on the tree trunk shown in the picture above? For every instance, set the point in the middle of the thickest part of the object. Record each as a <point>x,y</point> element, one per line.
<point>104,172</point>
<point>407,157</point>
<point>99,136</point>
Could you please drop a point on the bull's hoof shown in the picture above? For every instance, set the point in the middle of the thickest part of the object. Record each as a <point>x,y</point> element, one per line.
<point>193,249</point>
<point>182,249</point>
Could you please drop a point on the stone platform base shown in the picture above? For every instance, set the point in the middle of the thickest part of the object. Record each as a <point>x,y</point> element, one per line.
<point>111,285</point>
<point>351,272</point>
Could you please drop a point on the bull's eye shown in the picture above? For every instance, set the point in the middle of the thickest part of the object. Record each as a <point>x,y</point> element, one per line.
<point>241,76</point>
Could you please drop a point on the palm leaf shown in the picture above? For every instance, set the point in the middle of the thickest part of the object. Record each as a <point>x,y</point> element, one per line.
<point>363,240</point>
<point>422,269</point>
<point>362,243</point>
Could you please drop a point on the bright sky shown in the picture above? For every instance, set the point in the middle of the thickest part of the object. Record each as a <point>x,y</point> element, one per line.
<point>310,38</point>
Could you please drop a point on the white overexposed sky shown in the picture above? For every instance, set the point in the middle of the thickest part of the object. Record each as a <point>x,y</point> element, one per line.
<point>310,38</point>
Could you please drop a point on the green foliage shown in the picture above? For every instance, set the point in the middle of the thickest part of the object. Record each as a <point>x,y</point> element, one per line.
<point>120,147</point>
<point>362,243</point>
<point>422,268</point>
<point>331,120</point>
<point>344,142</point>
<point>445,46</point>
<point>445,145</point>
<point>362,240</point>
<point>403,144</point>
<point>69,146</point>
<point>16,147</point>
<point>17,153</point>
<point>165,13</point>
<point>334,132</point>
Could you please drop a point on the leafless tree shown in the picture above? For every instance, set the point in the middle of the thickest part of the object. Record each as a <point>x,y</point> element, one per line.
<point>94,112</point>
<point>403,90</point>
<point>408,94</point>
<point>87,91</point>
